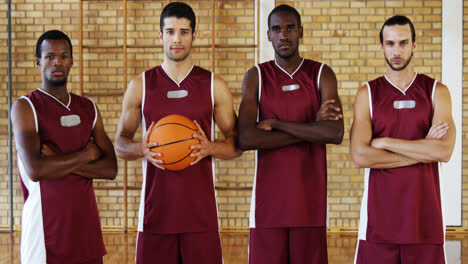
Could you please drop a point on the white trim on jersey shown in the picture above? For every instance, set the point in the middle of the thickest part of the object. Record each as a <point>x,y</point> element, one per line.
<point>290,75</point>
<point>33,248</point>
<point>370,99</point>
<point>402,91</point>
<point>355,253</point>
<point>178,83</point>
<point>362,233</point>
<point>319,75</point>
<point>141,210</point>
<point>53,97</point>
<point>213,167</point>
<point>33,110</point>
<point>95,113</point>
<point>433,91</point>
<point>363,215</point>
<point>442,199</point>
<point>252,222</point>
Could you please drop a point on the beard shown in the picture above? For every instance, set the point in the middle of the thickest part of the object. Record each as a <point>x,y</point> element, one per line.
<point>287,54</point>
<point>180,57</point>
<point>57,83</point>
<point>401,67</point>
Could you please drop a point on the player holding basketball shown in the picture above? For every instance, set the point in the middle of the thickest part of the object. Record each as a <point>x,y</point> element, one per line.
<point>290,109</point>
<point>178,215</point>
<point>402,128</point>
<point>62,147</point>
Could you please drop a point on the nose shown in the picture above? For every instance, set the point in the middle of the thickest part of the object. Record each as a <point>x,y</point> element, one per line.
<point>58,60</point>
<point>283,34</point>
<point>177,37</point>
<point>396,51</point>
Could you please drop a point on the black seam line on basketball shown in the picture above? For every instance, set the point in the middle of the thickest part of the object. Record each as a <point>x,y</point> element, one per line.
<point>176,124</point>
<point>178,160</point>
<point>172,143</point>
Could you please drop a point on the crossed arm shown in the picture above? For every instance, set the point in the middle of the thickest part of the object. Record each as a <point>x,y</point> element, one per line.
<point>96,160</point>
<point>130,118</point>
<point>273,133</point>
<point>391,152</point>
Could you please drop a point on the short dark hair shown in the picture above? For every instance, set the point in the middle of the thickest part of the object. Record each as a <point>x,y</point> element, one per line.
<point>179,10</point>
<point>398,20</point>
<point>52,34</point>
<point>285,8</point>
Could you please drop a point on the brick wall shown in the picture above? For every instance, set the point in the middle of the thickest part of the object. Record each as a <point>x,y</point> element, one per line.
<point>343,34</point>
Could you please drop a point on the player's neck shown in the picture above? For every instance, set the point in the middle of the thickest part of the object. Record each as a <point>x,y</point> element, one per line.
<point>402,79</point>
<point>289,64</point>
<point>177,70</point>
<point>59,92</point>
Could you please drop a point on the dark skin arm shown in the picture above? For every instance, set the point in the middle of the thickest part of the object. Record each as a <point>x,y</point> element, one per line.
<point>38,166</point>
<point>273,133</point>
<point>103,168</point>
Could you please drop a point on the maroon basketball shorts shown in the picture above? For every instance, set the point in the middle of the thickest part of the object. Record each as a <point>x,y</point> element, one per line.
<point>294,245</point>
<point>370,253</point>
<point>185,248</point>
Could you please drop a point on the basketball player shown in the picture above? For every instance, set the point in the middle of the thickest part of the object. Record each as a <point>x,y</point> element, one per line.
<point>290,109</point>
<point>402,128</point>
<point>178,214</point>
<point>62,147</point>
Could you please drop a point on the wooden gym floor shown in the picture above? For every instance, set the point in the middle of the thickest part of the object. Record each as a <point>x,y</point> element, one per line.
<point>121,248</point>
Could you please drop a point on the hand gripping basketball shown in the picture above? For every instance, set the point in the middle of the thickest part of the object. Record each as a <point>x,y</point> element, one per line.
<point>173,135</point>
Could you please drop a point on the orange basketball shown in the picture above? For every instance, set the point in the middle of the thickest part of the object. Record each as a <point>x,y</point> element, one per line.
<point>174,136</point>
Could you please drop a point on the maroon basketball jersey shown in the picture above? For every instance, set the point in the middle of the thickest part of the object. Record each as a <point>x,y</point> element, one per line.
<point>290,187</point>
<point>60,221</point>
<point>178,201</point>
<point>402,205</point>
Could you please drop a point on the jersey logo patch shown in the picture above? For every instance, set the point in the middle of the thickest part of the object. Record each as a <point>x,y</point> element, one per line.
<point>70,120</point>
<point>404,104</point>
<point>292,87</point>
<point>177,94</point>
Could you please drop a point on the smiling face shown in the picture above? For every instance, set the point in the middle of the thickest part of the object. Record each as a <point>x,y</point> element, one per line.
<point>176,38</point>
<point>55,61</point>
<point>397,46</point>
<point>284,34</point>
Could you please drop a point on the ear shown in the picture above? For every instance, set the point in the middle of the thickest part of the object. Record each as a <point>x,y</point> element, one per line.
<point>37,61</point>
<point>194,36</point>
<point>268,34</point>
<point>161,37</point>
<point>301,31</point>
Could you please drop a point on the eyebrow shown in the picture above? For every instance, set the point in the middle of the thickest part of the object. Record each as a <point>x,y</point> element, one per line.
<point>183,29</point>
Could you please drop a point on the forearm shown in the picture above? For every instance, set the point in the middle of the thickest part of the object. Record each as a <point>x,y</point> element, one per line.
<point>54,167</point>
<point>322,132</point>
<point>255,138</point>
<point>225,149</point>
<point>426,150</point>
<point>104,168</point>
<point>370,157</point>
<point>127,149</point>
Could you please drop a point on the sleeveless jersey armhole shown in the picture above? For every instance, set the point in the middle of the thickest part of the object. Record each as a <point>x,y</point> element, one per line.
<point>95,112</point>
<point>259,89</point>
<point>370,99</point>
<point>433,92</point>
<point>319,76</point>
<point>33,110</point>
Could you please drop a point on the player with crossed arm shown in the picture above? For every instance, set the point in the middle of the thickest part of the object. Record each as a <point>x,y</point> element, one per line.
<point>290,109</point>
<point>402,129</point>
<point>62,147</point>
